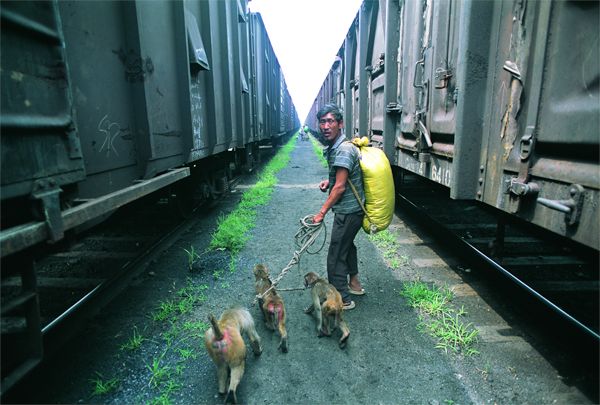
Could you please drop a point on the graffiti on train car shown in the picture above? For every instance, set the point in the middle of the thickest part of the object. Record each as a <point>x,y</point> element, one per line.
<point>136,68</point>
<point>111,130</point>
<point>197,116</point>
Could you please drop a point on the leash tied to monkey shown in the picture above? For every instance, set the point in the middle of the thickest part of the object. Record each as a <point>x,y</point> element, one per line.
<point>304,238</point>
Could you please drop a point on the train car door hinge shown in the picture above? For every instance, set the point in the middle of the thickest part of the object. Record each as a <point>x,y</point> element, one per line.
<point>527,143</point>
<point>393,108</point>
<point>442,77</point>
<point>424,143</point>
<point>519,187</point>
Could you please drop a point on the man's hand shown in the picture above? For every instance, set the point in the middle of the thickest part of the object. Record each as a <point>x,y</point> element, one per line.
<point>318,218</point>
<point>323,186</point>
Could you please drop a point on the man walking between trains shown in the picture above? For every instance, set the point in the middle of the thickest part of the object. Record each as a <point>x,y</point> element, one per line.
<point>343,161</point>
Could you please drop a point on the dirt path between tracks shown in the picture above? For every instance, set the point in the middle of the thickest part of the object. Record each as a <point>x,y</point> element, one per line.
<point>388,360</point>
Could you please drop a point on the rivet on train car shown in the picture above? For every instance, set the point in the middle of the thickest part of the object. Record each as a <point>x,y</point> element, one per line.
<point>481,180</point>
<point>481,168</point>
<point>479,194</point>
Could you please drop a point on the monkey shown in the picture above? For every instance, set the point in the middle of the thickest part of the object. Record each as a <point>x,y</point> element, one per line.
<point>227,349</point>
<point>329,307</point>
<point>271,304</point>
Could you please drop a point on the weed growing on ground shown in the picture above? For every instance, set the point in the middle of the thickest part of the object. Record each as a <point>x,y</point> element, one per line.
<point>232,262</point>
<point>387,244</point>
<point>195,329</point>
<point>192,256</point>
<point>158,373</point>
<point>165,310</point>
<point>217,274</point>
<point>187,354</point>
<point>171,312</point>
<point>432,301</point>
<point>102,386</point>
<point>232,230</point>
<point>134,342</point>
<point>186,299</point>
<point>440,319</point>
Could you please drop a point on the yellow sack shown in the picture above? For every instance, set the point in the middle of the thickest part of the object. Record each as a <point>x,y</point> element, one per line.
<point>378,183</point>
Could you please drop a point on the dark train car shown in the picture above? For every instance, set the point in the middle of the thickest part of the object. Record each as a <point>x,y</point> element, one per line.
<point>288,120</point>
<point>274,113</point>
<point>110,107</point>
<point>104,102</point>
<point>490,99</point>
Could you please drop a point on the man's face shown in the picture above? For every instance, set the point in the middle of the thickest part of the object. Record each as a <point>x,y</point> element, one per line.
<point>329,127</point>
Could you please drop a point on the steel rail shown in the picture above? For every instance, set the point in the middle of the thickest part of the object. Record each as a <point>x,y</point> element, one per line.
<point>66,323</point>
<point>441,230</point>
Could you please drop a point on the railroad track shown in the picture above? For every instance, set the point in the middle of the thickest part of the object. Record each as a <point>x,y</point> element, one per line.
<point>563,277</point>
<point>75,278</point>
<point>69,282</point>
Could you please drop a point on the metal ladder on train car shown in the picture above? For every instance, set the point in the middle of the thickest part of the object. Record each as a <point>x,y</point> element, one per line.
<point>22,340</point>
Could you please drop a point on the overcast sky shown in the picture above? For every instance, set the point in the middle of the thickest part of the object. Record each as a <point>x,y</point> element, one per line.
<point>306,35</point>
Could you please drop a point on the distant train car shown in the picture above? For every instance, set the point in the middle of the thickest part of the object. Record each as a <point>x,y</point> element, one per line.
<point>104,102</point>
<point>497,100</point>
<point>125,98</point>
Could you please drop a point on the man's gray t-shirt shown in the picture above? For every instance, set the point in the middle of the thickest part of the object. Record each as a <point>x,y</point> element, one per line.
<point>345,154</point>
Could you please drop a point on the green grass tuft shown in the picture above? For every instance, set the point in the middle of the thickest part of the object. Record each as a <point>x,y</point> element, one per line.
<point>440,319</point>
<point>432,301</point>
<point>102,386</point>
<point>135,342</point>
<point>388,246</point>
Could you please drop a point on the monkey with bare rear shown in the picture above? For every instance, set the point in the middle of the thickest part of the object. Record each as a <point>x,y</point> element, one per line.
<point>271,304</point>
<point>227,348</point>
<point>328,306</point>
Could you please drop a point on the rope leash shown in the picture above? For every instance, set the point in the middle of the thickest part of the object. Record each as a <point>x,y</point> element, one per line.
<point>304,238</point>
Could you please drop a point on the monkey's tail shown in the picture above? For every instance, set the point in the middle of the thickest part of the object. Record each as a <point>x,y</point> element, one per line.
<point>215,326</point>
<point>345,333</point>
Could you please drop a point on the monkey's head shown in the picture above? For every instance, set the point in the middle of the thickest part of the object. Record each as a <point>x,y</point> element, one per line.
<point>310,279</point>
<point>261,272</point>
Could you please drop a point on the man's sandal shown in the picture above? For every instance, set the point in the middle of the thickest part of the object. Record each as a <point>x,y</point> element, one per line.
<point>354,292</point>
<point>349,305</point>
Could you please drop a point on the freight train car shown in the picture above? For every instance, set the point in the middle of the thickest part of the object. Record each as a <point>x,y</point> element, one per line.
<point>105,102</point>
<point>499,101</point>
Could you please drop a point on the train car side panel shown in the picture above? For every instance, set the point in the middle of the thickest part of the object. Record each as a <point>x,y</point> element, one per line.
<point>40,144</point>
<point>134,126</point>
<point>542,150</point>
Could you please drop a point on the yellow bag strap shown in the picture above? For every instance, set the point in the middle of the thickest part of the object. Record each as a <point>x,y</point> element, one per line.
<point>358,199</point>
<point>372,226</point>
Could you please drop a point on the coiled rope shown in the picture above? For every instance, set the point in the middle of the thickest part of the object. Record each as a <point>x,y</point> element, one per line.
<point>304,239</point>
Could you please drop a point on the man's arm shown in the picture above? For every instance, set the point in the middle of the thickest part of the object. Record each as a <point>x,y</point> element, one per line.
<point>341,176</point>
